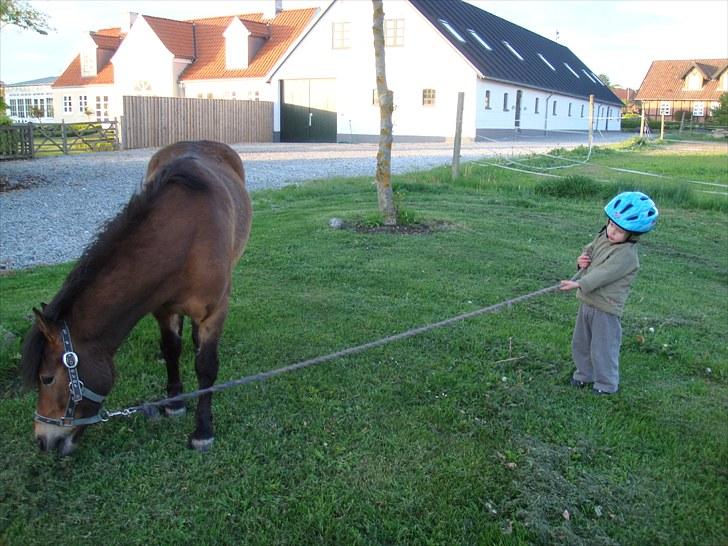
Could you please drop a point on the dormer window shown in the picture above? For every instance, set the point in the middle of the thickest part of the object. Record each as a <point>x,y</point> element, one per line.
<point>694,81</point>
<point>243,39</point>
<point>479,39</point>
<point>88,62</point>
<point>546,62</point>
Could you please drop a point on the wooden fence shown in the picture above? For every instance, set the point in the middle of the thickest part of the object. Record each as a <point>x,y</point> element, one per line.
<point>16,142</point>
<point>32,139</point>
<point>152,122</point>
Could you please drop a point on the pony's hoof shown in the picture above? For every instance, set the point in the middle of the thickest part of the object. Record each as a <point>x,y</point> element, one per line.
<point>172,411</point>
<point>201,444</point>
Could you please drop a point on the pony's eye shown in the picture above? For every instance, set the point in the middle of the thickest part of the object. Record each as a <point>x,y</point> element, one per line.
<point>47,379</point>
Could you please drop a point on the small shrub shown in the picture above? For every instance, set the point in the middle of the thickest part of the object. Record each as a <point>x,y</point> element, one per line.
<point>576,186</point>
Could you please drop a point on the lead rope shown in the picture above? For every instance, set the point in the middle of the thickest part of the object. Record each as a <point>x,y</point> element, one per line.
<point>151,409</point>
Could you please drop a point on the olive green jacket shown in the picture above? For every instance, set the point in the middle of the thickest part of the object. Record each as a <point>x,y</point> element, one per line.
<point>606,282</point>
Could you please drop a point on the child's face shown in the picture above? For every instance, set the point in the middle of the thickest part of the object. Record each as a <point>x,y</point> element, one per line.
<point>616,234</point>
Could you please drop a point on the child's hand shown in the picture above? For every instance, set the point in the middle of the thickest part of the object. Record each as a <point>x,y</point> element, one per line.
<point>583,261</point>
<point>568,285</point>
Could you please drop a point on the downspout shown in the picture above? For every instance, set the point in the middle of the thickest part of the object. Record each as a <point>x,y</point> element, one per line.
<point>546,117</point>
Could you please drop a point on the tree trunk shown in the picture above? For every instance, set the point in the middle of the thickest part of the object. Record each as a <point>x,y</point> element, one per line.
<point>386,105</point>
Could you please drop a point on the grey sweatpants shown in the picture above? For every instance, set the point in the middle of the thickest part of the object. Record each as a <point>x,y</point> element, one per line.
<point>595,348</point>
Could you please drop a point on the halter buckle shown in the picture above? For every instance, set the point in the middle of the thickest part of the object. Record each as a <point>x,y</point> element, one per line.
<point>70,360</point>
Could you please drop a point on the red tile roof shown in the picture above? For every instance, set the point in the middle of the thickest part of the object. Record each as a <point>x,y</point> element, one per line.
<point>107,38</point>
<point>285,28</point>
<point>664,80</point>
<point>202,41</point>
<point>177,36</point>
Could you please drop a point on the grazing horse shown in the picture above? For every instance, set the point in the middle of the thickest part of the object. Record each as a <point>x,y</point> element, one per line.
<point>170,252</point>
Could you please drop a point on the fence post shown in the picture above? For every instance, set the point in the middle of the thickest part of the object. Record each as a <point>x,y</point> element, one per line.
<point>642,123</point>
<point>591,120</point>
<point>458,136</point>
<point>682,122</point>
<point>662,127</point>
<point>64,140</point>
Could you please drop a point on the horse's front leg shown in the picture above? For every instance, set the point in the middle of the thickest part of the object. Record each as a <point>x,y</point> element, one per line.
<point>170,329</point>
<point>206,366</point>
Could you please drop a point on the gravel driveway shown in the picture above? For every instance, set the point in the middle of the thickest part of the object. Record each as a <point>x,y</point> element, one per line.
<point>60,202</point>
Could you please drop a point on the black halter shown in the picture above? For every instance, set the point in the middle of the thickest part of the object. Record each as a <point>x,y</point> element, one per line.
<point>77,390</point>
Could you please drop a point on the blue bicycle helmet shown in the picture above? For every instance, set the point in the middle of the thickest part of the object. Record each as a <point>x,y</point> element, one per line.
<point>632,211</point>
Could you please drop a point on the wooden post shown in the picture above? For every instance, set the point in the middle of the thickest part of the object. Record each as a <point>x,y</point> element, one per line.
<point>682,122</point>
<point>662,127</point>
<point>642,123</point>
<point>458,137</point>
<point>64,140</point>
<point>591,119</point>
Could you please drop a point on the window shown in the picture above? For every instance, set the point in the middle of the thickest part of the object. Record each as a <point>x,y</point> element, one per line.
<point>547,63</point>
<point>67,105</point>
<point>428,97</point>
<point>569,109</point>
<point>451,30</point>
<point>394,32</point>
<point>553,111</point>
<point>535,108</point>
<point>253,95</point>
<point>512,50</point>
<point>14,107</point>
<point>88,63</point>
<point>487,99</point>
<point>82,104</point>
<point>698,109</point>
<point>340,35</point>
<point>479,39</point>
<point>102,108</point>
<point>582,110</point>
<point>49,107</point>
<point>571,70</point>
<point>505,102</point>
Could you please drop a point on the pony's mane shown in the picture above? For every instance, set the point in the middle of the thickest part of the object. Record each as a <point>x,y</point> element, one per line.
<point>186,171</point>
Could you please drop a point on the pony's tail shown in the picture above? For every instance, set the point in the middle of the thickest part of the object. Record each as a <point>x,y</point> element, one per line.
<point>185,171</point>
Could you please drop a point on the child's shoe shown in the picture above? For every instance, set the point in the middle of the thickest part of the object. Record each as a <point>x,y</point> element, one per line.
<point>600,392</point>
<point>578,384</point>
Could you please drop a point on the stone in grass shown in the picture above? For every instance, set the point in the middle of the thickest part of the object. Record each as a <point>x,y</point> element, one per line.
<point>336,223</point>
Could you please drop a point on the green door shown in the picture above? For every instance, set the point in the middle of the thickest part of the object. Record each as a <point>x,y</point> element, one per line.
<point>308,111</point>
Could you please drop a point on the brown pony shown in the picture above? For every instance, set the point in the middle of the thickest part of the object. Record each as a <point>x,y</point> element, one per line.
<point>170,252</point>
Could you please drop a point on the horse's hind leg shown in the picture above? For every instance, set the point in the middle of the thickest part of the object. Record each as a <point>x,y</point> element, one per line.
<point>170,329</point>
<point>206,366</point>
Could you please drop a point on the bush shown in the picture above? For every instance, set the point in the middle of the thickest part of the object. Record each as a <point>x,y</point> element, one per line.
<point>576,186</point>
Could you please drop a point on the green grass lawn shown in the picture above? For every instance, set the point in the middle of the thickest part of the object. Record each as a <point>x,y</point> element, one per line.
<point>466,435</point>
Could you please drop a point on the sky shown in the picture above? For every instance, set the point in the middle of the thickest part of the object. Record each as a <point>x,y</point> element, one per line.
<point>619,38</point>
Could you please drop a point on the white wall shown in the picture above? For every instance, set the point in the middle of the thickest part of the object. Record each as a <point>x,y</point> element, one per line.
<point>425,61</point>
<point>143,66</point>
<point>544,119</point>
<point>235,88</point>
<point>91,92</point>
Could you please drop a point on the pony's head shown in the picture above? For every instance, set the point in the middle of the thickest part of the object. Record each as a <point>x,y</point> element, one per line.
<point>71,378</point>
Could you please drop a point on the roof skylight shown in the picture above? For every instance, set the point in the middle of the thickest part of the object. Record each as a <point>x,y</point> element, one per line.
<point>547,63</point>
<point>479,39</point>
<point>588,76</point>
<point>597,78</point>
<point>451,30</point>
<point>509,46</point>
<point>571,70</point>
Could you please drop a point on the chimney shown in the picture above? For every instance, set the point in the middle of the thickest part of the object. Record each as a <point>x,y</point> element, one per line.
<point>128,22</point>
<point>272,8</point>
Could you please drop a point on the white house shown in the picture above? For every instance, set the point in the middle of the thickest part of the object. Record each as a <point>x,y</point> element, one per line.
<point>513,79</point>
<point>317,67</point>
<point>31,97</point>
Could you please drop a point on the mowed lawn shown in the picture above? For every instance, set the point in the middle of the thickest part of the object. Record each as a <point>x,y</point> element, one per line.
<point>465,435</point>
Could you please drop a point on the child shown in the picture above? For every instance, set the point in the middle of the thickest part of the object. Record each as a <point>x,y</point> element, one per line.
<point>607,267</point>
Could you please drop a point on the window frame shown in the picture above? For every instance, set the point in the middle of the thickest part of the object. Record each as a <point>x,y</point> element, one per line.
<point>429,97</point>
<point>340,35</point>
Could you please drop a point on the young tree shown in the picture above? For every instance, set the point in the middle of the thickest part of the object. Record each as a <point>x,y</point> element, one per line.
<point>720,114</point>
<point>386,106</point>
<point>20,14</point>
<point>605,79</point>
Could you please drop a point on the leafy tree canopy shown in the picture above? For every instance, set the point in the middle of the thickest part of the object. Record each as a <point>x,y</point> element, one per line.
<point>21,14</point>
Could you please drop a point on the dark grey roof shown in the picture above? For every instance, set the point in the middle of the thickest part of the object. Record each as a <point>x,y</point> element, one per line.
<point>39,81</point>
<point>500,63</point>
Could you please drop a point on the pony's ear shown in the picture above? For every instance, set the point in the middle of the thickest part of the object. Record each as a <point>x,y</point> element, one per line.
<point>45,327</point>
